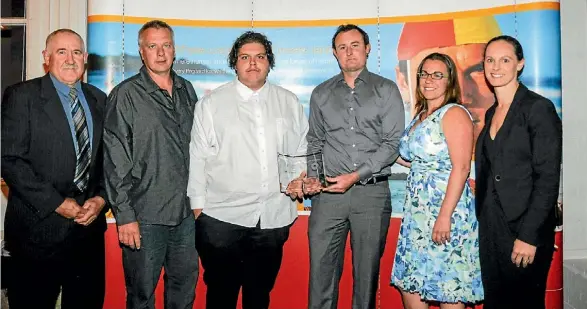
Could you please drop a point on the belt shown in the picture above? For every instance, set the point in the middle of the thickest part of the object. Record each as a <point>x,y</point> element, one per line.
<point>374,180</point>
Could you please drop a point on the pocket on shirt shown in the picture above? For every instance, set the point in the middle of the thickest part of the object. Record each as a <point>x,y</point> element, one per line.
<point>285,137</point>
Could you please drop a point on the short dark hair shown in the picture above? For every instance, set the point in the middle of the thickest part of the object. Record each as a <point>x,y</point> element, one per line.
<point>157,24</point>
<point>518,50</point>
<point>62,30</point>
<point>251,37</point>
<point>349,27</point>
<point>453,90</point>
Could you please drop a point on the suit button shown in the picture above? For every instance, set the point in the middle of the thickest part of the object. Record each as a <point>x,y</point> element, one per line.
<point>497,178</point>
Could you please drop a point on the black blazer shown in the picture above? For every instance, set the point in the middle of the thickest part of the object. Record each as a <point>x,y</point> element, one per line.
<point>526,168</point>
<point>38,164</point>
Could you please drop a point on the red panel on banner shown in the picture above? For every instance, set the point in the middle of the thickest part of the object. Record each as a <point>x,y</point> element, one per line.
<point>291,289</point>
<point>554,284</point>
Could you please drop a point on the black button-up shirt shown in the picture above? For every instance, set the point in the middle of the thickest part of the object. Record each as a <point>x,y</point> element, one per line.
<point>146,147</point>
<point>356,129</point>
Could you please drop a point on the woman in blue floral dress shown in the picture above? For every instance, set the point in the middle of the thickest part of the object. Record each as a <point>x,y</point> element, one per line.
<point>437,257</point>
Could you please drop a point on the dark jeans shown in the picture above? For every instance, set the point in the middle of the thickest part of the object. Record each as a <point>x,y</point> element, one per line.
<point>79,274</point>
<point>234,256</point>
<point>170,247</point>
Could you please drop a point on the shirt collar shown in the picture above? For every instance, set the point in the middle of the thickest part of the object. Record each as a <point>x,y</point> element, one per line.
<point>151,86</point>
<point>363,76</point>
<point>63,88</point>
<point>247,93</point>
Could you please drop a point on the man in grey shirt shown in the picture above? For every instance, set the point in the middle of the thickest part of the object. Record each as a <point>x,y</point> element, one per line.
<point>356,121</point>
<point>146,143</point>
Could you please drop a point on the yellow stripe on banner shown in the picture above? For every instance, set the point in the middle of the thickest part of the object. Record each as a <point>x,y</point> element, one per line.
<point>536,6</point>
<point>329,22</point>
<point>475,29</point>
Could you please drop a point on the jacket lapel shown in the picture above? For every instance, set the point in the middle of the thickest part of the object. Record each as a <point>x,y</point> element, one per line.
<point>96,120</point>
<point>54,110</point>
<point>482,135</point>
<point>510,118</point>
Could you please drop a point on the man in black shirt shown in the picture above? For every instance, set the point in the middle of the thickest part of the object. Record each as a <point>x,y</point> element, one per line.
<point>146,140</point>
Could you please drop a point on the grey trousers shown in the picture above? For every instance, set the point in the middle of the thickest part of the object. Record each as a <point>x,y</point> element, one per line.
<point>364,211</point>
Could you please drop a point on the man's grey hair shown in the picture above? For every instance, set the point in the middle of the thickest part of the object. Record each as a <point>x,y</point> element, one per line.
<point>156,24</point>
<point>52,35</point>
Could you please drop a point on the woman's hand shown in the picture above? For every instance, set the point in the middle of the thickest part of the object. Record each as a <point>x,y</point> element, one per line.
<point>523,253</point>
<point>441,230</point>
<point>403,162</point>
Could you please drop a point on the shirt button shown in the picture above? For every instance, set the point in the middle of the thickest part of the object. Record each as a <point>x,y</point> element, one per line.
<point>353,145</point>
<point>352,128</point>
<point>351,108</point>
<point>352,92</point>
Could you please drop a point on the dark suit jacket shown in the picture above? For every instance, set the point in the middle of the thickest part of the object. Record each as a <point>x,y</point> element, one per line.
<point>38,164</point>
<point>526,169</point>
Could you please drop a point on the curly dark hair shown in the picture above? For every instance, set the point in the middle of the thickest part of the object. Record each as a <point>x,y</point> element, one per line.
<point>250,37</point>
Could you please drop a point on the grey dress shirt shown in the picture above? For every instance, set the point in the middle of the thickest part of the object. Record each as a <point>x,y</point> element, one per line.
<point>356,129</point>
<point>146,150</point>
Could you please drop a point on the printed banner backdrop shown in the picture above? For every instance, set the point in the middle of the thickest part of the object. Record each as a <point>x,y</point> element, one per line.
<point>401,34</point>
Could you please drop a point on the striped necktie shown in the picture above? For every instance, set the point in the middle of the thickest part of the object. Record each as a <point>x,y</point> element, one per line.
<point>82,135</point>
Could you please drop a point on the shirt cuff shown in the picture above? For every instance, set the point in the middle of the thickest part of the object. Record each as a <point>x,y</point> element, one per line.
<point>125,217</point>
<point>197,202</point>
<point>364,171</point>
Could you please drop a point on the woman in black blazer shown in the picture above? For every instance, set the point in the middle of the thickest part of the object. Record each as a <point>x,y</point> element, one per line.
<point>518,159</point>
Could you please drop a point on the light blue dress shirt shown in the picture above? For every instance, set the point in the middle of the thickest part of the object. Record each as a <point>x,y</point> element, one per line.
<point>63,91</point>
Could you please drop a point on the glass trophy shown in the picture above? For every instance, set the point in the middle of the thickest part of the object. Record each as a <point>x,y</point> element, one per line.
<point>316,168</point>
<point>291,166</point>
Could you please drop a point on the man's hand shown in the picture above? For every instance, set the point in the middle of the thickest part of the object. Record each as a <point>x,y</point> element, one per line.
<point>93,207</point>
<point>311,186</point>
<point>340,184</point>
<point>197,213</point>
<point>129,235</point>
<point>523,253</point>
<point>70,209</point>
<point>295,187</point>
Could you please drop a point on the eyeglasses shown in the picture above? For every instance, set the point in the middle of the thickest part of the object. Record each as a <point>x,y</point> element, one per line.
<point>435,75</point>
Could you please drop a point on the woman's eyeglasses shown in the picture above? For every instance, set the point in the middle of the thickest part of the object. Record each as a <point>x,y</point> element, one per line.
<point>434,75</point>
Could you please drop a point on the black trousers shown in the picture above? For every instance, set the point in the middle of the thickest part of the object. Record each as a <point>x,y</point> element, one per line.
<point>79,275</point>
<point>507,286</point>
<point>234,256</point>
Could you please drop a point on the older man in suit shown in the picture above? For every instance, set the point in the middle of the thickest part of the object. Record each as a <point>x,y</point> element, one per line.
<point>51,161</point>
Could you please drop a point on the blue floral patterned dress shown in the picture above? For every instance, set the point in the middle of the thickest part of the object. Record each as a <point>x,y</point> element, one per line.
<point>447,272</point>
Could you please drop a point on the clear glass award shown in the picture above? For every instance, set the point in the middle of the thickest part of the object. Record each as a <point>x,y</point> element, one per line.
<point>291,166</point>
<point>315,165</point>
